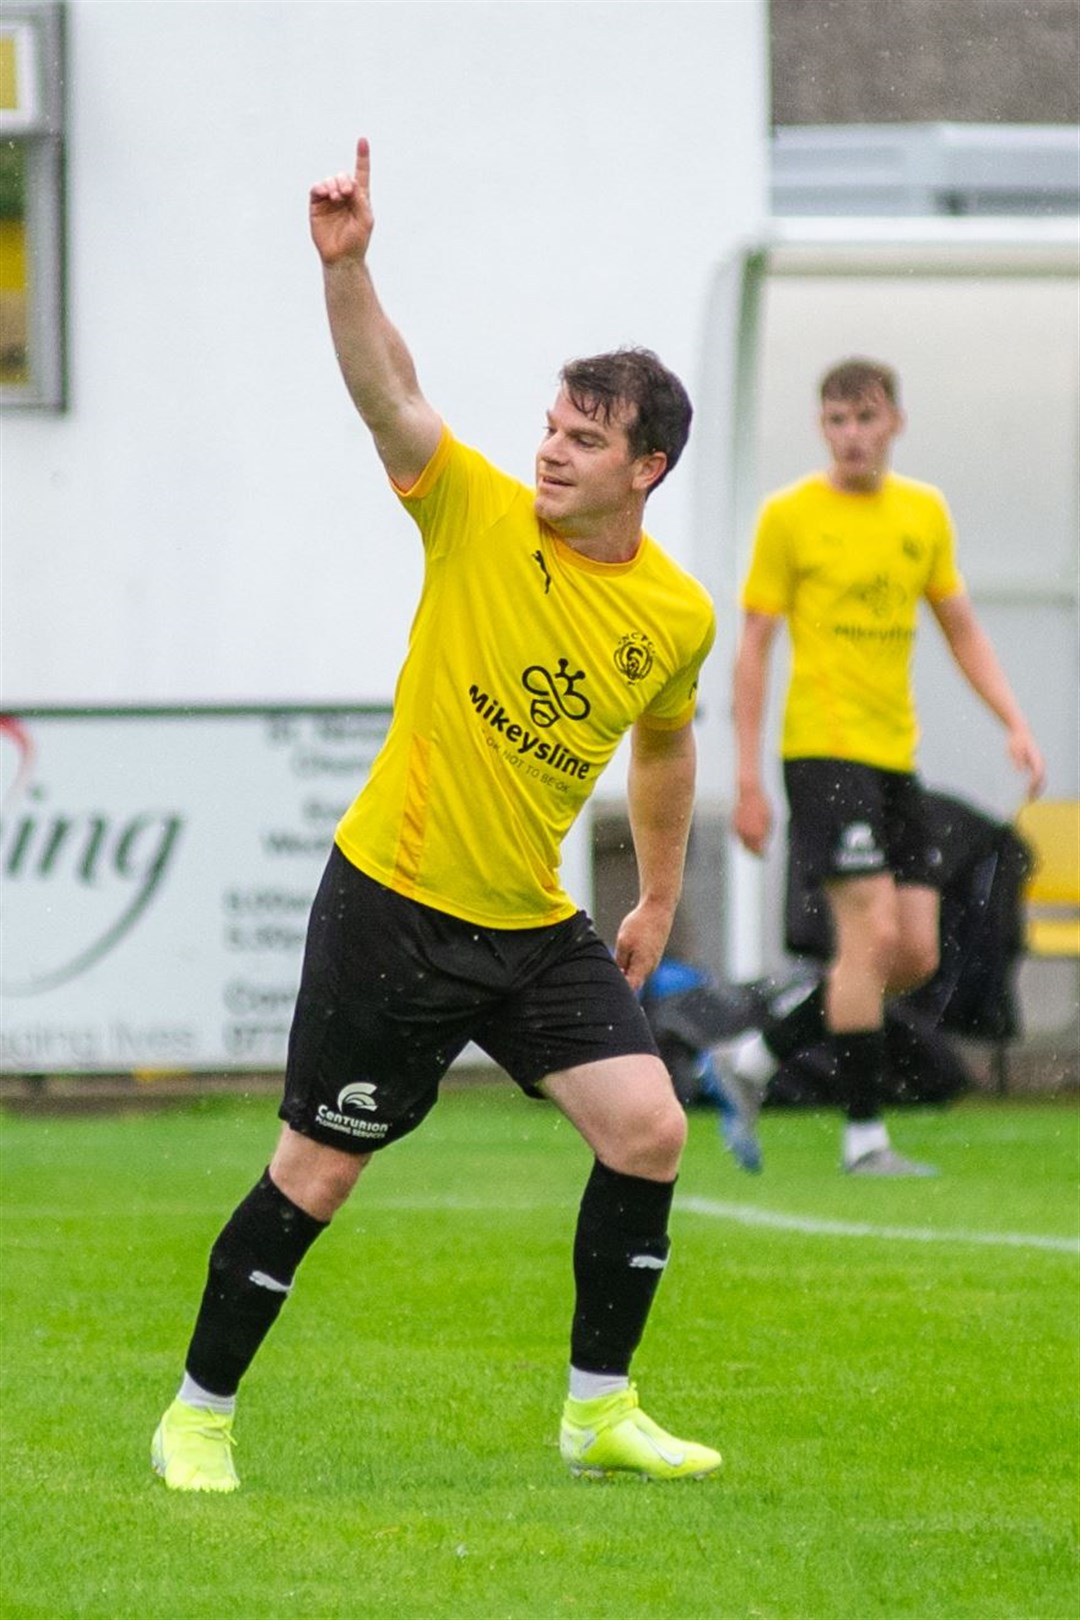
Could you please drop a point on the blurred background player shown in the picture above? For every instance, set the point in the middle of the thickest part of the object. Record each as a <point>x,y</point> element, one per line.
<point>549,625</point>
<point>844,556</point>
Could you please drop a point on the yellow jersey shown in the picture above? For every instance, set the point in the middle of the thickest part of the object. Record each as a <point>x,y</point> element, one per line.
<point>526,664</point>
<point>848,571</point>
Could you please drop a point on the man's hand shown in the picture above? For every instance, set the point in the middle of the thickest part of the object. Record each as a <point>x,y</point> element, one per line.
<point>640,942</point>
<point>340,212</point>
<point>752,820</point>
<point>375,362</point>
<point>970,646</point>
<point>1025,755</point>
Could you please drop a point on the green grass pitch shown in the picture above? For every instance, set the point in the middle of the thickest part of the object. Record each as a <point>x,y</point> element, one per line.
<point>890,1369</point>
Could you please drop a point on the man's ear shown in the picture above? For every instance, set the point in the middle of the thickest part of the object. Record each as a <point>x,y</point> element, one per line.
<point>650,469</point>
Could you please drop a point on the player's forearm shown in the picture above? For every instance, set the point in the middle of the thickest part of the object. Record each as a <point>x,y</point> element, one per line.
<point>747,714</point>
<point>661,802</point>
<point>375,363</point>
<point>975,656</point>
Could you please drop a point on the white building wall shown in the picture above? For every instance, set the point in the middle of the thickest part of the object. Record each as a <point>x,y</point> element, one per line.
<point>207,521</point>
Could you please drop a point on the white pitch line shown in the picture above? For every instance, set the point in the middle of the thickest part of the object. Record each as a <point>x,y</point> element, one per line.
<point>740,1214</point>
<point>750,1215</point>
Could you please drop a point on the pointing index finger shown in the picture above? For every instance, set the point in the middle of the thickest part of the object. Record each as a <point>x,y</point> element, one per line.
<point>363,164</point>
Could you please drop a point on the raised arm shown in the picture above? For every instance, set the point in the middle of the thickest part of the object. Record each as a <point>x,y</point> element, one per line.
<point>660,795</point>
<point>752,816</point>
<point>973,652</point>
<point>377,367</point>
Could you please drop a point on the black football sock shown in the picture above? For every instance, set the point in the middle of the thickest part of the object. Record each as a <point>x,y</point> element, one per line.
<point>620,1251</point>
<point>252,1265</point>
<point>795,1021</point>
<point>859,1072</point>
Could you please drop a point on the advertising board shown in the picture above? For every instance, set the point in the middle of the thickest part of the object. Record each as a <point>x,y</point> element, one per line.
<point>156,871</point>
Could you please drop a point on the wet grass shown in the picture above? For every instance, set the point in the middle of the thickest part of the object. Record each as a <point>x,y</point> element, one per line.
<point>896,1397</point>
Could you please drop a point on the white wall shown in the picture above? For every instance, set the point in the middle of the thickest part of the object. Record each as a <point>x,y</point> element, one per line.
<point>207,521</point>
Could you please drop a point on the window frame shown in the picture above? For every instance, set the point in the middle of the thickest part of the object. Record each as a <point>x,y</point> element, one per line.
<point>38,127</point>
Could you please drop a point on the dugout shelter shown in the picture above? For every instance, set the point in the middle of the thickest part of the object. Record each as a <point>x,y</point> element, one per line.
<point>980,317</point>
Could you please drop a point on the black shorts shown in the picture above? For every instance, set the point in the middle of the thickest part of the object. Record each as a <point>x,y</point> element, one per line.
<point>392,991</point>
<point>849,820</point>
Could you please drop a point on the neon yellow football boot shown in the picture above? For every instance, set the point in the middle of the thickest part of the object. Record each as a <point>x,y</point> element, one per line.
<point>612,1436</point>
<point>192,1449</point>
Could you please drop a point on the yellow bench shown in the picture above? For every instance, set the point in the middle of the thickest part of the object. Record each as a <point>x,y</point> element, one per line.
<point>1051,828</point>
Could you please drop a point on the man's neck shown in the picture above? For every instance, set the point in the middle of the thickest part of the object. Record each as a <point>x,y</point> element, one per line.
<point>616,541</point>
<point>844,485</point>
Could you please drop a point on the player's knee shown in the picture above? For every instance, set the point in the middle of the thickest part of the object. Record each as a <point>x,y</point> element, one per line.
<point>883,941</point>
<point>316,1178</point>
<point>671,1133</point>
<point>652,1141</point>
<point>871,948</point>
<point>334,1182</point>
<point>868,932</point>
<point>917,962</point>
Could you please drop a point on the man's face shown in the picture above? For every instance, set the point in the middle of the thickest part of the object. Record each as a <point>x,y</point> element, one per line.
<point>859,433</point>
<point>586,477</point>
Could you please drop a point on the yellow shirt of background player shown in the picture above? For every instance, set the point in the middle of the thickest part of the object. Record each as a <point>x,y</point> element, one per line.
<point>526,664</point>
<point>848,571</point>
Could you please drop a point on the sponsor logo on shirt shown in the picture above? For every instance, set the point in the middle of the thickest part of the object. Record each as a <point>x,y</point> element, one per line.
<point>881,595</point>
<point>553,694</point>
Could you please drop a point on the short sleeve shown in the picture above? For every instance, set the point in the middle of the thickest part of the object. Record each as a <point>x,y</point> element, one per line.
<point>767,587</point>
<point>675,703</point>
<point>945,578</point>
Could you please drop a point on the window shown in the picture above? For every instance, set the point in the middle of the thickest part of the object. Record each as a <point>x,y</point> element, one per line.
<point>31,206</point>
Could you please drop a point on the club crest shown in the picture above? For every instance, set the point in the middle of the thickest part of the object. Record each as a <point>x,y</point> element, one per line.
<point>634,657</point>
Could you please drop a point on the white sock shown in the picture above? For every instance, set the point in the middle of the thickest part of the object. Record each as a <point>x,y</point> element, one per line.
<point>862,1137</point>
<point>193,1394</point>
<point>752,1060</point>
<point>587,1386</point>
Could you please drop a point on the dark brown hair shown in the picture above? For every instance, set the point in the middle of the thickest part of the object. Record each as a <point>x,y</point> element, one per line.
<point>851,379</point>
<point>662,410</point>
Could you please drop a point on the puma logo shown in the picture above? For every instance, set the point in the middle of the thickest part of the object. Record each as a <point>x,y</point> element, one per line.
<point>538,559</point>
